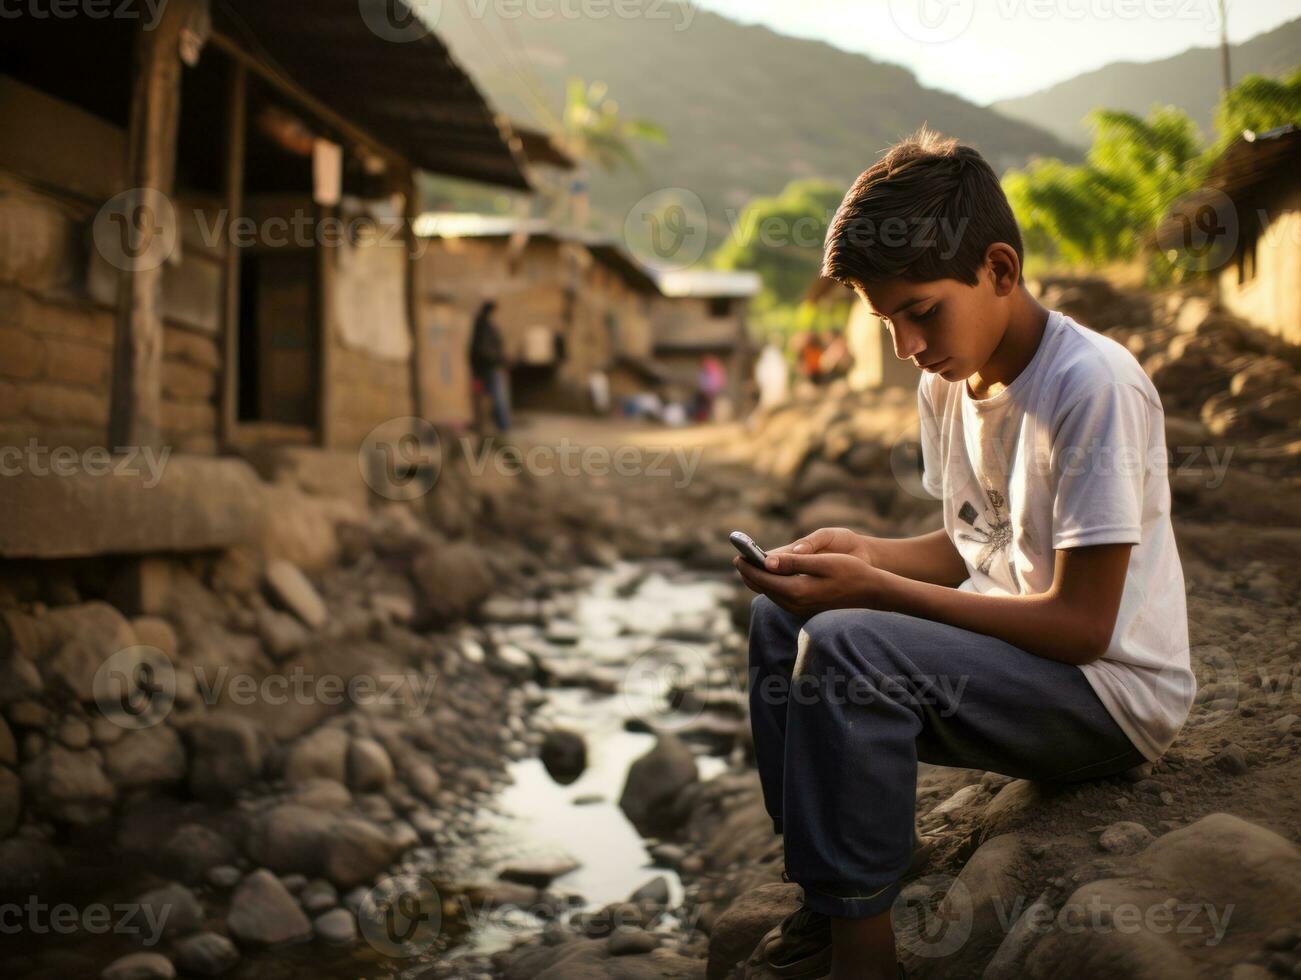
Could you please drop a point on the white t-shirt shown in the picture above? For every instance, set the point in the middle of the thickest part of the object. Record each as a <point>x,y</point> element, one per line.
<point>1070,454</point>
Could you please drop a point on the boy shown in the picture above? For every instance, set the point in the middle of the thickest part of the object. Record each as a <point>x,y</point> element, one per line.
<point>1041,633</point>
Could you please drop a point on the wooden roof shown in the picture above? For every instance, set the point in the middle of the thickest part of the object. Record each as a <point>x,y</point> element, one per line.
<point>409,94</point>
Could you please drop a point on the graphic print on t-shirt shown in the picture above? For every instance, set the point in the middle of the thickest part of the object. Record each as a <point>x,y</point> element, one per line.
<point>993,539</point>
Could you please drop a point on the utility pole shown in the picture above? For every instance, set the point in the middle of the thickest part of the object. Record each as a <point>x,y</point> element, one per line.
<point>1224,45</point>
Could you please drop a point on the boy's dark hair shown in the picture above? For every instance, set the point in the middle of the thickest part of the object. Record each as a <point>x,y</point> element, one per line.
<point>926,210</point>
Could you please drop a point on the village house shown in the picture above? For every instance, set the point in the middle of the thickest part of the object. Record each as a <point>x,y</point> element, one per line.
<point>206,248</point>
<point>705,311</point>
<point>1247,219</point>
<point>569,304</point>
<point>870,345</point>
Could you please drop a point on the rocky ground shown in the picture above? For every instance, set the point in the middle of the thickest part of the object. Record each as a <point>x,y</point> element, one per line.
<point>258,817</point>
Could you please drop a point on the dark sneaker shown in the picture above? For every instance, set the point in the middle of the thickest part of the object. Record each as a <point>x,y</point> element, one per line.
<point>800,947</point>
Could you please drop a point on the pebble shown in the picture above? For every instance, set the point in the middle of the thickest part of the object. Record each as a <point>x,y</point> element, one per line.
<point>1232,759</point>
<point>338,928</point>
<point>224,876</point>
<point>140,966</point>
<point>1125,837</point>
<point>206,954</point>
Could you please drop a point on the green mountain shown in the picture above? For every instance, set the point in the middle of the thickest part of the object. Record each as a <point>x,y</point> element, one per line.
<point>745,109</point>
<point>1190,80</point>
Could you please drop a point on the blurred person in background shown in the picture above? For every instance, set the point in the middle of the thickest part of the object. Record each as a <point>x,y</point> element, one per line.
<point>488,365</point>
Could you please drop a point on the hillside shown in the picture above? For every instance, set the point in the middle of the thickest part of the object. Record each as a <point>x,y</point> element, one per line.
<point>746,109</point>
<point>1190,80</point>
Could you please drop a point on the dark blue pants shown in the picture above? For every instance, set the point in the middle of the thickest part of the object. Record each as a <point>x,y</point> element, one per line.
<point>844,704</point>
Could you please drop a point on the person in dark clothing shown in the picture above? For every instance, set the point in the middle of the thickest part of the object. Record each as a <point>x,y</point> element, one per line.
<point>488,364</point>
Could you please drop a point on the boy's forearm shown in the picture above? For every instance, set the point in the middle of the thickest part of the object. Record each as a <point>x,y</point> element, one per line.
<point>1042,624</point>
<point>925,558</point>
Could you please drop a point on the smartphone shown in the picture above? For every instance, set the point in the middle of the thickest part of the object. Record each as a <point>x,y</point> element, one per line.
<point>750,551</point>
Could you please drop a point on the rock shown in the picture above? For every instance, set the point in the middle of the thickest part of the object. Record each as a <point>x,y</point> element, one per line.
<point>193,850</point>
<point>322,754</point>
<point>1241,882</point>
<point>227,754</point>
<point>140,966</point>
<point>654,892</point>
<point>27,865</point>
<point>1285,724</point>
<point>19,679</point>
<point>736,933</point>
<point>151,631</point>
<point>564,754</point>
<point>11,801</point>
<point>8,748</point>
<point>630,941</point>
<point>538,874</point>
<point>338,928</point>
<point>292,589</point>
<point>347,850</point>
<point>370,770</point>
<point>1232,759</point>
<point>452,579</point>
<point>654,784</point>
<point>321,794</point>
<point>146,757</point>
<point>1125,837</point>
<point>422,778</point>
<point>263,913</point>
<point>318,896</point>
<point>951,809</point>
<point>280,633</point>
<point>224,876</point>
<point>69,786</point>
<point>73,734</point>
<point>206,955</point>
<point>174,908</point>
<point>977,902</point>
<point>85,636</point>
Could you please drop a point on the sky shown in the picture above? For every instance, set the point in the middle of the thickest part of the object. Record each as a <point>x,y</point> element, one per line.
<point>985,50</point>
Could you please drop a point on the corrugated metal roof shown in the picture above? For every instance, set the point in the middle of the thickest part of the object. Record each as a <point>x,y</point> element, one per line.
<point>705,283</point>
<point>409,94</point>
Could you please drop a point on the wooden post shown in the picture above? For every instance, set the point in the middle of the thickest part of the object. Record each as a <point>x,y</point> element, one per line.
<point>236,112</point>
<point>411,211</point>
<point>151,170</point>
<point>327,285</point>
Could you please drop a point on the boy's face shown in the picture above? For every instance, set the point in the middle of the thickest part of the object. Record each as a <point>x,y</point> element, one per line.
<point>943,326</point>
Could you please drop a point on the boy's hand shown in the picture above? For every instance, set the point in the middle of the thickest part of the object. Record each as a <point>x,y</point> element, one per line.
<point>825,540</point>
<point>817,582</point>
